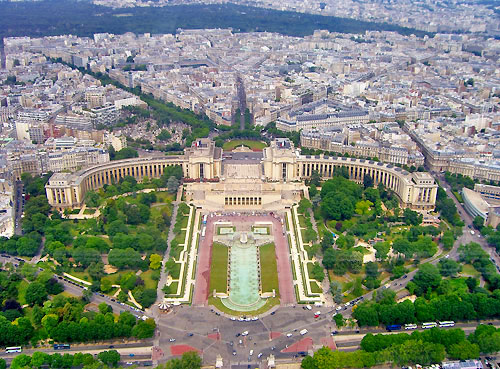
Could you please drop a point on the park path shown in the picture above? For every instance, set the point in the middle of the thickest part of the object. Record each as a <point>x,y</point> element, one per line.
<point>163,274</point>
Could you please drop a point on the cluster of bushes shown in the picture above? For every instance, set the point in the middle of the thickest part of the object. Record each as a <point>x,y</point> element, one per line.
<point>182,211</point>
<point>474,254</point>
<point>63,319</point>
<point>440,299</point>
<point>310,234</point>
<point>459,181</point>
<point>66,361</point>
<point>424,348</point>
<point>447,208</point>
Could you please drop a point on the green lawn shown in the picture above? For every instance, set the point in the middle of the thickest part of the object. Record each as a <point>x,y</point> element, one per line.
<point>148,281</point>
<point>82,275</point>
<point>469,270</point>
<point>458,196</point>
<point>218,268</point>
<point>315,288</point>
<point>173,288</point>
<point>217,303</point>
<point>184,222</point>
<point>21,289</point>
<point>269,269</point>
<point>254,145</point>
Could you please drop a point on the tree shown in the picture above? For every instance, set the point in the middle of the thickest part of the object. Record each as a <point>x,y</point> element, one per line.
<point>36,294</point>
<point>371,269</point>
<point>164,135</point>
<point>20,361</point>
<point>411,217</point>
<point>126,153</point>
<point>155,261</point>
<point>427,277</point>
<point>339,320</point>
<point>144,329</point>
<point>382,249</point>
<point>111,357</point>
<point>104,308</point>
<point>53,287</point>
<point>363,207</point>
<point>146,297</point>
<point>367,181</point>
<point>317,272</point>
<point>463,351</point>
<point>366,315</point>
<point>449,267</point>
<point>478,222</point>
<point>172,184</point>
<point>447,240</point>
<point>315,178</point>
<point>327,240</point>
<point>86,256</point>
<point>336,291</point>
<point>92,199</point>
<point>106,285</point>
<point>39,358</point>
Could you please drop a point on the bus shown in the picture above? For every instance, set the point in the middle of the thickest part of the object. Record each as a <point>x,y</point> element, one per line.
<point>393,327</point>
<point>429,325</point>
<point>10,350</point>
<point>61,346</point>
<point>410,326</point>
<point>450,323</point>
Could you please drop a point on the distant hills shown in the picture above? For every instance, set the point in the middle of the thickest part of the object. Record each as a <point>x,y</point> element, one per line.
<point>50,17</point>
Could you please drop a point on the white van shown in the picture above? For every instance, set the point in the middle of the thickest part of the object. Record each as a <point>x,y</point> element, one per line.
<point>302,332</point>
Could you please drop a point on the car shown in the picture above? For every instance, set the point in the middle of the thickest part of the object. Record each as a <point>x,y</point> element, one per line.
<point>273,348</point>
<point>274,312</point>
<point>251,352</point>
<point>338,308</point>
<point>171,340</point>
<point>190,335</point>
<point>255,318</point>
<point>289,335</point>
<point>405,276</point>
<point>129,363</point>
<point>245,333</point>
<point>231,343</point>
<point>316,316</point>
<point>308,307</point>
<point>259,355</point>
<point>111,346</point>
<point>234,353</point>
<point>334,333</point>
<point>233,318</point>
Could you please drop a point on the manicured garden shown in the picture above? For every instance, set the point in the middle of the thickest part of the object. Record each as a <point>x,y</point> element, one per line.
<point>254,145</point>
<point>269,268</point>
<point>218,268</point>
